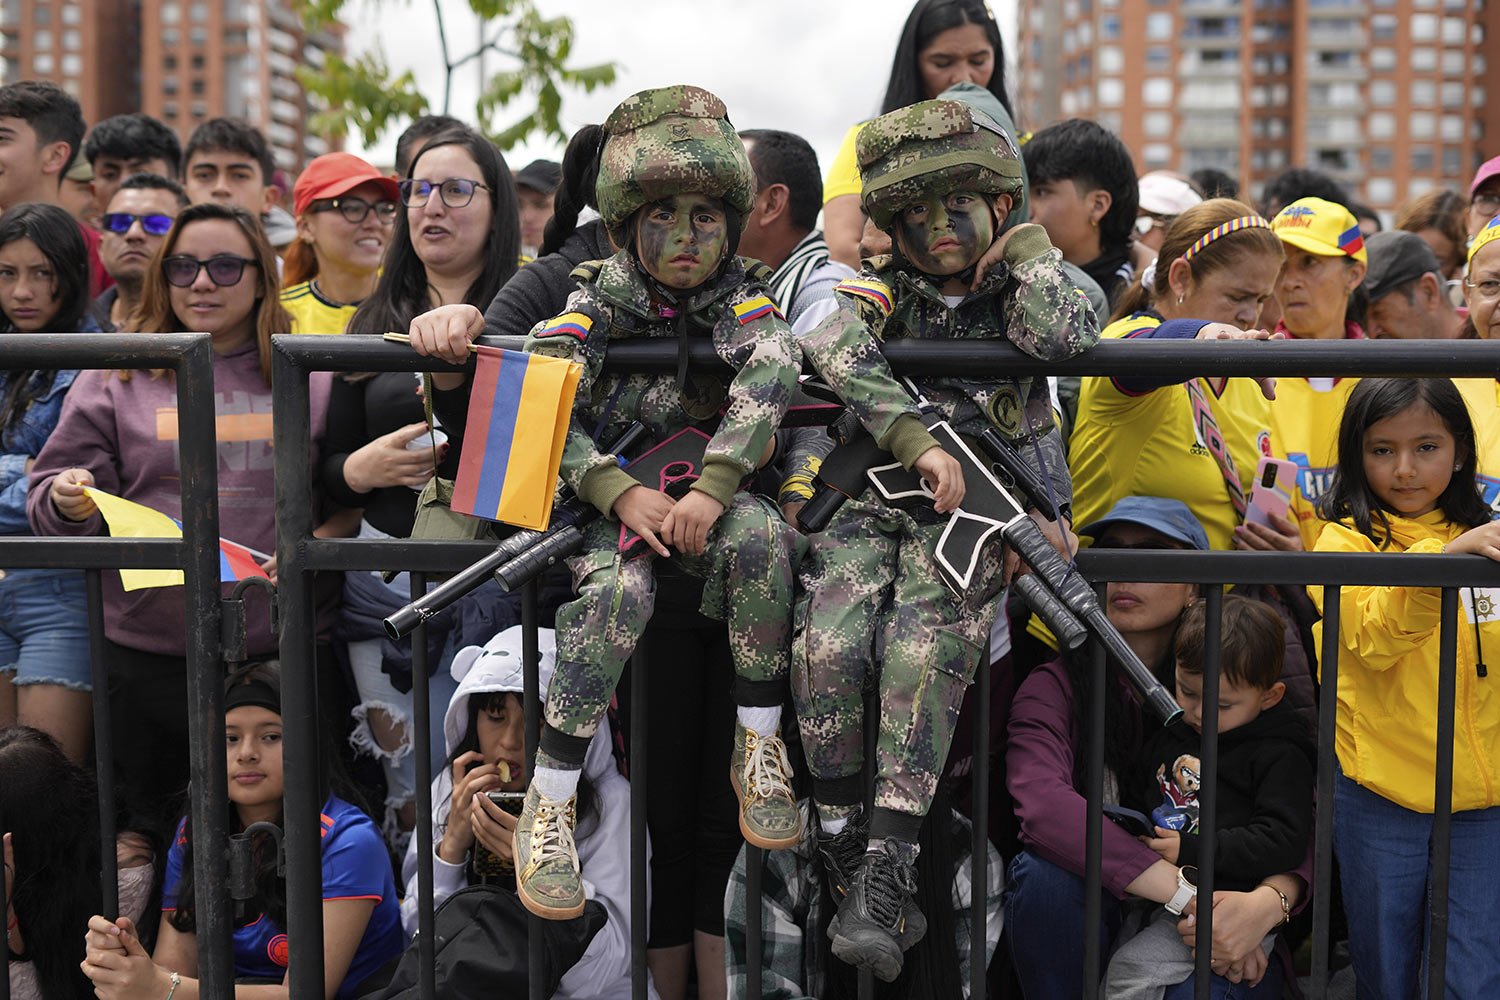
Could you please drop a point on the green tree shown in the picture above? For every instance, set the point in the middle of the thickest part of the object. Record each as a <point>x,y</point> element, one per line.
<point>363,95</point>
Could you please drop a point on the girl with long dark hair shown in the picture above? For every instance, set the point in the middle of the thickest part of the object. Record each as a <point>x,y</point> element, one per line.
<point>943,42</point>
<point>361,921</point>
<point>44,641</point>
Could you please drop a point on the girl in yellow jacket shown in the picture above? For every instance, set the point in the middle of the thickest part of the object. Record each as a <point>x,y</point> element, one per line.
<point>1406,482</point>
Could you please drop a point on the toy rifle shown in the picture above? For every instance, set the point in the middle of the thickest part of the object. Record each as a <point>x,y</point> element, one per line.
<point>571,511</point>
<point>1060,596</point>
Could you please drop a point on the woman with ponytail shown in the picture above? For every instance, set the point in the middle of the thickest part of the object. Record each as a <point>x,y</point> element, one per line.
<point>1139,436</point>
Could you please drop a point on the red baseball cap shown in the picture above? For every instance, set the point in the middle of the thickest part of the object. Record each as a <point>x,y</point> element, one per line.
<point>333,174</point>
<point>1487,169</point>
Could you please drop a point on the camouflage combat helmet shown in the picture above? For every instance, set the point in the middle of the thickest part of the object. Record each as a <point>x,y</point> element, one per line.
<point>933,147</point>
<point>664,142</point>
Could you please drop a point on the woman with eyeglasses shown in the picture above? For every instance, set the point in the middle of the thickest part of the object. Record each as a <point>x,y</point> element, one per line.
<point>1482,295</point>
<point>118,433</point>
<point>345,209</point>
<point>44,639</point>
<point>457,240</point>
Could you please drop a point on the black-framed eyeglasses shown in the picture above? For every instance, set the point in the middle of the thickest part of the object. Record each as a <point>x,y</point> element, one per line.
<point>223,269</point>
<point>1487,202</point>
<point>456,192</point>
<point>356,210</point>
<point>152,225</point>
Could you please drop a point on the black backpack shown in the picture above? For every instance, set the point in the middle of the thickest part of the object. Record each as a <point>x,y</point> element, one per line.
<point>480,947</point>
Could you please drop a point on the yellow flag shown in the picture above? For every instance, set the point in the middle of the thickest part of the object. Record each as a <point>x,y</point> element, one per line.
<point>128,519</point>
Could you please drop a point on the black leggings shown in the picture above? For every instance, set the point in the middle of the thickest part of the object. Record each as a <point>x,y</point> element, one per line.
<point>691,810</point>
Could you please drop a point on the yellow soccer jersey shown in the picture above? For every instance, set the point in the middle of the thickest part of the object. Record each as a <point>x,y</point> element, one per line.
<point>1483,397</point>
<point>1146,445</point>
<point>1305,429</point>
<point>311,313</point>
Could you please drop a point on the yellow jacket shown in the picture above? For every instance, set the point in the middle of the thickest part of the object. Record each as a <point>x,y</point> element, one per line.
<point>1386,737</point>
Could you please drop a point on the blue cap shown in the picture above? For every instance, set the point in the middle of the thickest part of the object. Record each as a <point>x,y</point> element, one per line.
<point>1171,518</point>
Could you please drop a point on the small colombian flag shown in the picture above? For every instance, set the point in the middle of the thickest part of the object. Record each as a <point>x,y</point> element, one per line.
<point>519,412</point>
<point>753,309</point>
<point>128,519</point>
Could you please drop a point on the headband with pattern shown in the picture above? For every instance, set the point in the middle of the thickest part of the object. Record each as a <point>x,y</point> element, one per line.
<point>1232,226</point>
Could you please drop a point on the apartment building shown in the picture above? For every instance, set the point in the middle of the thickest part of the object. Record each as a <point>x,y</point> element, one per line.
<point>1389,96</point>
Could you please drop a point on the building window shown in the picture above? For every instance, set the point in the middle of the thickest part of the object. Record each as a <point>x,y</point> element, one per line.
<point>169,109</point>
<point>1383,27</point>
<point>199,12</point>
<point>1453,128</point>
<point>1158,26</point>
<point>41,63</point>
<point>171,12</point>
<point>1382,59</point>
<point>1157,124</point>
<point>1453,96</point>
<point>72,65</point>
<point>41,13</point>
<point>1111,92</point>
<point>1453,161</point>
<point>1157,91</point>
<point>1423,94</point>
<point>1453,31</point>
<point>1421,158</point>
<point>41,39</point>
<point>1380,190</point>
<point>1423,124</point>
<point>198,88</point>
<point>1423,27</point>
<point>1109,27</point>
<point>72,14</point>
<point>169,62</point>
<point>1424,59</point>
<point>71,40</point>
<point>1381,158</point>
<point>1382,125</point>
<point>1382,93</point>
<point>1158,57</point>
<point>1157,155</point>
<point>1111,59</point>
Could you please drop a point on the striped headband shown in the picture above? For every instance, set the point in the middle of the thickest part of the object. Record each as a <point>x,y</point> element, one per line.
<point>1232,226</point>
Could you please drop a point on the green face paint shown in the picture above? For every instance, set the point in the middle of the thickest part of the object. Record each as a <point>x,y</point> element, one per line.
<point>944,236</point>
<point>681,240</point>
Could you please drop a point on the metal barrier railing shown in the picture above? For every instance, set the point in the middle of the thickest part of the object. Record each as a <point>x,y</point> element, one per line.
<point>300,555</point>
<point>190,358</point>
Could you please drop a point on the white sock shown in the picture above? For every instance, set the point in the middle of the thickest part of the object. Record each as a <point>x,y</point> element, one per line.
<point>555,783</point>
<point>833,824</point>
<point>760,721</point>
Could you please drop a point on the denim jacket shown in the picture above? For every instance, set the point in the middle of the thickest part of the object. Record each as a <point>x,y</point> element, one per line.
<point>24,441</point>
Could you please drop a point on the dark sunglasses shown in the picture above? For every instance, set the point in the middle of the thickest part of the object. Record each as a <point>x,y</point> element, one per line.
<point>223,269</point>
<point>456,192</point>
<point>154,225</point>
<point>356,210</point>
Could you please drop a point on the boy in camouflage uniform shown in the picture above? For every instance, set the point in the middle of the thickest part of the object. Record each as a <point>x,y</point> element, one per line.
<point>674,185</point>
<point>941,179</point>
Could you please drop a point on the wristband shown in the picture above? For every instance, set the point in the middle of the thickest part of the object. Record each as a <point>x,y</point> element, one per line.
<point>1286,904</point>
<point>176,982</point>
<point>1187,890</point>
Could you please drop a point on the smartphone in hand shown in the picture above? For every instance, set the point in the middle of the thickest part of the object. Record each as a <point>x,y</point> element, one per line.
<point>1271,493</point>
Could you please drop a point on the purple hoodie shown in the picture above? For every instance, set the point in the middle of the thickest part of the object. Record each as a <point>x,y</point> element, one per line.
<point>125,433</point>
<point>1039,772</point>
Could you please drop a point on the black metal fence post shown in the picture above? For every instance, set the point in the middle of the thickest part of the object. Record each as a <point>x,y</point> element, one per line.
<point>104,746</point>
<point>1442,794</point>
<point>421,695</point>
<point>299,714</point>
<point>1208,793</point>
<point>198,450</point>
<point>1323,834</point>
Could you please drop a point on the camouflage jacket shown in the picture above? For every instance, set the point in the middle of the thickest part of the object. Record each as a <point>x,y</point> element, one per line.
<point>1026,298</point>
<point>750,335</point>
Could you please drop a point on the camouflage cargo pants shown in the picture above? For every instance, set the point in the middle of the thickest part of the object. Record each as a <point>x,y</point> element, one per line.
<point>748,569</point>
<point>870,583</point>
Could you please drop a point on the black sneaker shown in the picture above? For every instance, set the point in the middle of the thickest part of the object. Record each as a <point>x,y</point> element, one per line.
<point>842,852</point>
<point>871,929</point>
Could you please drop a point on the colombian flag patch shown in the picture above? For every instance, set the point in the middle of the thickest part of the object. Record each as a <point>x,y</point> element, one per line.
<point>871,291</point>
<point>753,309</point>
<point>573,324</point>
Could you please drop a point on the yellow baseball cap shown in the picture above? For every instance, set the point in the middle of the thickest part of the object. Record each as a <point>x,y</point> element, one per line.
<point>1485,236</point>
<point>1320,227</point>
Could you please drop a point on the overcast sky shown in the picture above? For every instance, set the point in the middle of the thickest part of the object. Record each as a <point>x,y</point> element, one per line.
<point>813,67</point>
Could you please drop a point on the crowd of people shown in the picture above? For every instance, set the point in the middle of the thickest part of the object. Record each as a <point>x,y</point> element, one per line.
<point>822,666</point>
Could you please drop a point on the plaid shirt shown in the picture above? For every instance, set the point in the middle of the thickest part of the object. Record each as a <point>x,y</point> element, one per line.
<point>792,912</point>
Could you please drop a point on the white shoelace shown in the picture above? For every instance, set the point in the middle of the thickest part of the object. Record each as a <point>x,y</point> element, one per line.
<point>767,768</point>
<point>552,834</point>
